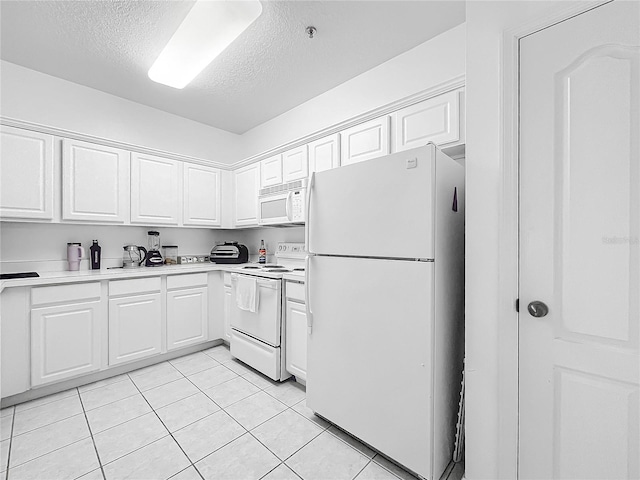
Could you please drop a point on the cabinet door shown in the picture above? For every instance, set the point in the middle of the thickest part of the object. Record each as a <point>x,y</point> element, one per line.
<point>227,313</point>
<point>365,141</point>
<point>186,317</point>
<point>435,120</point>
<point>26,174</point>
<point>324,154</point>
<point>65,341</point>
<point>295,164</point>
<point>201,195</point>
<point>296,340</point>
<point>135,327</point>
<point>246,195</point>
<point>155,190</point>
<point>271,171</point>
<point>95,182</point>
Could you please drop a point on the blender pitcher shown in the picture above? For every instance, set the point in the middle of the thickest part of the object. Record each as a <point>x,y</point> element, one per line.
<point>154,257</point>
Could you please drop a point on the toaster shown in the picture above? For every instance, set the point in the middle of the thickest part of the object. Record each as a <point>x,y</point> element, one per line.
<point>229,252</point>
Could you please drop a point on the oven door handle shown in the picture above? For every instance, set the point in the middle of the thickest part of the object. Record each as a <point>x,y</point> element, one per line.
<point>307,293</point>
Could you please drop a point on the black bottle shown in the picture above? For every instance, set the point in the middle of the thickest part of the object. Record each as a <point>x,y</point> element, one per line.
<point>96,253</point>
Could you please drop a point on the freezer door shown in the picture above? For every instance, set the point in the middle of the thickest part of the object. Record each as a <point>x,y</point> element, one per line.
<point>381,208</point>
<point>370,353</point>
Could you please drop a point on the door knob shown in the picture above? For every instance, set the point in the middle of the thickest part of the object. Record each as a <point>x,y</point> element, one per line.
<point>537,309</point>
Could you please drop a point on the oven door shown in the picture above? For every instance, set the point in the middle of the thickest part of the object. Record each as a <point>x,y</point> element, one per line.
<point>264,323</point>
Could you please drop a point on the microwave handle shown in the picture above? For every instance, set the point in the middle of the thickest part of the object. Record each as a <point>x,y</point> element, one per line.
<point>307,216</point>
<point>287,206</point>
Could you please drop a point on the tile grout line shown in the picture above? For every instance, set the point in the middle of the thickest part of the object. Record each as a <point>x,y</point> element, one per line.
<point>40,398</point>
<point>167,428</point>
<point>93,441</point>
<point>46,424</point>
<point>361,470</point>
<point>13,419</point>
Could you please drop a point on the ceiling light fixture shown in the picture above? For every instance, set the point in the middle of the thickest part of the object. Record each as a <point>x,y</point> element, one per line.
<point>209,28</point>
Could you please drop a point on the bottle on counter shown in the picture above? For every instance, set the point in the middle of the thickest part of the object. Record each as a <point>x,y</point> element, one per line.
<point>262,253</point>
<point>96,254</point>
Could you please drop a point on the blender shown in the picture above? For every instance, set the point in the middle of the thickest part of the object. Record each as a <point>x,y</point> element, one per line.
<point>154,257</point>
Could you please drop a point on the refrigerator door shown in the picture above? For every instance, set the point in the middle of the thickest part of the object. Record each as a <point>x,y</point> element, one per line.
<point>370,353</point>
<point>379,208</point>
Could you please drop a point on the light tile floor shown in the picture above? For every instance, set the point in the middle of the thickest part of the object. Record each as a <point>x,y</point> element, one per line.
<point>201,416</point>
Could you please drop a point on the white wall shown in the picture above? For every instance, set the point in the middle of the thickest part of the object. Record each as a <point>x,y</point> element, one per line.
<point>427,65</point>
<point>491,323</point>
<point>39,98</point>
<point>42,247</point>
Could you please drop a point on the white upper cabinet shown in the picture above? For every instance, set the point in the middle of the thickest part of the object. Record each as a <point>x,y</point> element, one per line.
<point>201,195</point>
<point>155,190</point>
<point>365,141</point>
<point>435,120</point>
<point>295,164</point>
<point>246,181</point>
<point>95,182</point>
<point>26,174</point>
<point>271,171</point>
<point>324,154</point>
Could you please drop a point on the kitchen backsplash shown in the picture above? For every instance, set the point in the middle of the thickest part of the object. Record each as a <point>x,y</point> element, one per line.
<point>42,247</point>
<point>271,235</point>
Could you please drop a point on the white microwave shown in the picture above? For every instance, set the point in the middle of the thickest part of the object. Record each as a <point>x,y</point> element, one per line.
<point>283,204</point>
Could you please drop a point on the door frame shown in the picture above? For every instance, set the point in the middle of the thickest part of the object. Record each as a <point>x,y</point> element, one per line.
<point>509,221</point>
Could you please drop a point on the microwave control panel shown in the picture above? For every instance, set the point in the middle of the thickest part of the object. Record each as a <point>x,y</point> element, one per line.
<point>297,205</point>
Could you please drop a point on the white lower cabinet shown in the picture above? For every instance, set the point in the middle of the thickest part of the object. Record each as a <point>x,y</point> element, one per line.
<point>65,338</point>
<point>135,319</point>
<point>186,317</point>
<point>296,331</point>
<point>134,327</point>
<point>187,309</point>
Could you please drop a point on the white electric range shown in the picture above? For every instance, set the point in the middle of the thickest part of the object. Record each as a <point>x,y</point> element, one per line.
<point>256,310</point>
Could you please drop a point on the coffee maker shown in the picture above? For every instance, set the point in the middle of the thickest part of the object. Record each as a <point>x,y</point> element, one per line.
<point>153,257</point>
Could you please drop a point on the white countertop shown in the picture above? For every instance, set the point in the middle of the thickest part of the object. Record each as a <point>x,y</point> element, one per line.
<point>48,278</point>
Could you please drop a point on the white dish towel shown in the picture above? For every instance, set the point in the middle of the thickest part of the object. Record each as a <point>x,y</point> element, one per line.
<point>247,293</point>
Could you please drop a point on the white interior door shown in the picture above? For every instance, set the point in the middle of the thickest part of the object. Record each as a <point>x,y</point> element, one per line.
<point>579,246</point>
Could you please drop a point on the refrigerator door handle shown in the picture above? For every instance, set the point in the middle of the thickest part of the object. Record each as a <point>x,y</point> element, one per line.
<point>307,293</point>
<point>307,217</point>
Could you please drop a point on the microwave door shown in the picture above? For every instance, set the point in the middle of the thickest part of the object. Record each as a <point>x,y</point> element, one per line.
<point>273,210</point>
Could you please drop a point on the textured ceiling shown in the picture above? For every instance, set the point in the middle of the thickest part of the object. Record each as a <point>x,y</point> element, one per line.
<point>272,67</point>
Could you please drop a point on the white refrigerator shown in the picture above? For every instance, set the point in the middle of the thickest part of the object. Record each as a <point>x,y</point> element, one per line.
<point>385,303</point>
